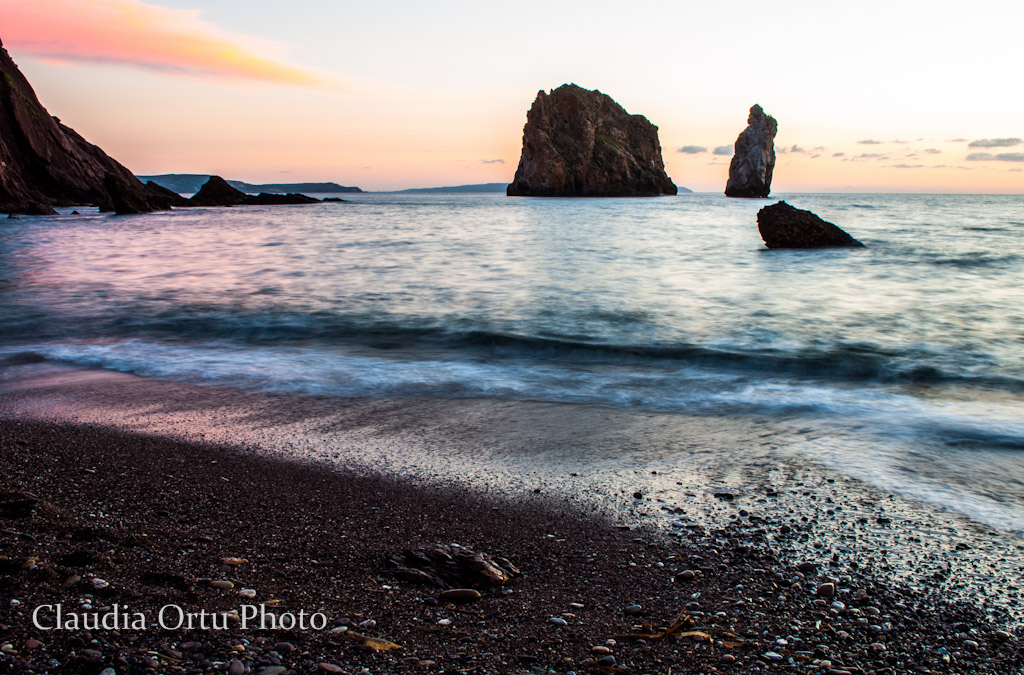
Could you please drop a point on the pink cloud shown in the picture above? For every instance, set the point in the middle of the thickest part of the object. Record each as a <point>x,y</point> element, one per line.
<point>130,32</point>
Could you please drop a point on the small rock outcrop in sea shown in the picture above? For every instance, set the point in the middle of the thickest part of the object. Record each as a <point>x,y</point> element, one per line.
<point>218,192</point>
<point>581,143</point>
<point>273,198</point>
<point>45,164</point>
<point>783,226</point>
<point>173,198</point>
<point>750,172</point>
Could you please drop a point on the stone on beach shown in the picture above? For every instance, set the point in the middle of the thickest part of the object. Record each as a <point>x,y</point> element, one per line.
<point>452,566</point>
<point>459,595</point>
<point>826,590</point>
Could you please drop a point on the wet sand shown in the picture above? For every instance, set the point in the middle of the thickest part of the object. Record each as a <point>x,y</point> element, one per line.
<point>316,494</point>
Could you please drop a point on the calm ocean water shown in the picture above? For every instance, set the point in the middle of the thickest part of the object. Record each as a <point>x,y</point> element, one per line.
<point>907,357</point>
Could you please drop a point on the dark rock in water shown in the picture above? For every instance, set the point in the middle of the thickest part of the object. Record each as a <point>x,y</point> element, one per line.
<point>122,199</point>
<point>336,199</point>
<point>750,172</point>
<point>217,192</point>
<point>452,566</point>
<point>46,164</point>
<point>170,196</point>
<point>270,199</point>
<point>783,226</point>
<point>581,143</point>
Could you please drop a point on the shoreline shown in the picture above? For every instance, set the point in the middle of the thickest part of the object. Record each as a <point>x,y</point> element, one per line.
<point>595,458</point>
<point>156,518</point>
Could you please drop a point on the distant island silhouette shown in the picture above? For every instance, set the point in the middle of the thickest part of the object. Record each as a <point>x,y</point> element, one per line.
<point>190,183</point>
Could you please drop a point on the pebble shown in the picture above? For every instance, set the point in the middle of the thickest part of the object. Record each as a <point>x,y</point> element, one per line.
<point>108,671</point>
<point>233,562</point>
<point>273,670</point>
<point>686,575</point>
<point>330,668</point>
<point>32,644</point>
<point>236,667</point>
<point>606,661</point>
<point>247,593</point>
<point>633,610</point>
<point>558,621</point>
<point>826,590</point>
<point>807,568</point>
<point>284,648</point>
<point>773,656</point>
<point>1002,635</point>
<point>98,583</point>
<point>600,649</point>
<point>459,595</point>
<point>222,584</point>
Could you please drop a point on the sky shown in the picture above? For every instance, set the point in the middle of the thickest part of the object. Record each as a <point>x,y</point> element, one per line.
<point>899,95</point>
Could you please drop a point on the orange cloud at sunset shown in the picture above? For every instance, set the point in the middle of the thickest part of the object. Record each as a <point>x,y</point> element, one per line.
<point>133,33</point>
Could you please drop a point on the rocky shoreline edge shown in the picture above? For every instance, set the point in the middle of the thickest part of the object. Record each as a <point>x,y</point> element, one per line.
<point>94,519</point>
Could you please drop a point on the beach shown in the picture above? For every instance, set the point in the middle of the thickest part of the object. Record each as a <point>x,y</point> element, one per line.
<point>154,516</point>
<point>717,457</point>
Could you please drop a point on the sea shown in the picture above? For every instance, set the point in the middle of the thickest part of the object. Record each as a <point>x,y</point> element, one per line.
<point>900,364</point>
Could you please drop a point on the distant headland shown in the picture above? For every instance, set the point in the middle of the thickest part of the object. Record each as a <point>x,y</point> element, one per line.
<point>190,183</point>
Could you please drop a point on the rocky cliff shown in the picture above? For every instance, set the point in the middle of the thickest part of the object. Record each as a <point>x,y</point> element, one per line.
<point>45,164</point>
<point>581,143</point>
<point>750,172</point>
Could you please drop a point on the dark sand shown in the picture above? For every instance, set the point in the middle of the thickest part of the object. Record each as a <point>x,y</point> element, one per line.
<point>154,518</point>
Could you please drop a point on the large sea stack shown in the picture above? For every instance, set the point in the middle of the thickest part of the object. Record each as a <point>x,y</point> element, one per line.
<point>581,143</point>
<point>750,172</point>
<point>783,226</point>
<point>45,164</point>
